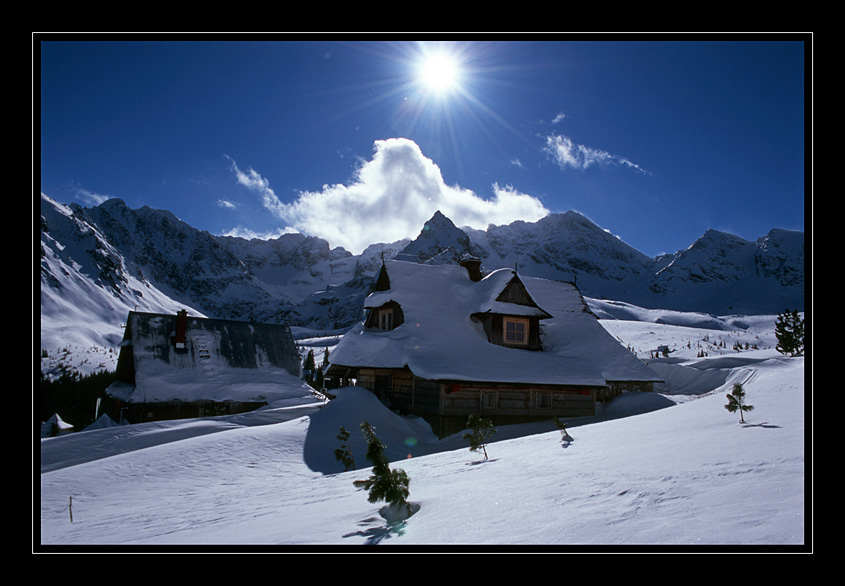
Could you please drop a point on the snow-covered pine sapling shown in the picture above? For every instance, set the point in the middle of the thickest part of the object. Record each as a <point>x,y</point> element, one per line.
<point>344,453</point>
<point>564,435</point>
<point>384,484</point>
<point>736,401</point>
<point>482,429</point>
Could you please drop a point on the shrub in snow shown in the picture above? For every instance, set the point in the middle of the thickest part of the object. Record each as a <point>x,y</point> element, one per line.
<point>736,401</point>
<point>384,484</point>
<point>482,429</point>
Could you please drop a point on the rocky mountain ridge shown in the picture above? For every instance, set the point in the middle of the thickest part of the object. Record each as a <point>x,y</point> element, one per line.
<point>115,259</point>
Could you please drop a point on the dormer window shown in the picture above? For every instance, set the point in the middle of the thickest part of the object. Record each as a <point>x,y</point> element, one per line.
<point>515,330</point>
<point>385,317</point>
<point>510,316</point>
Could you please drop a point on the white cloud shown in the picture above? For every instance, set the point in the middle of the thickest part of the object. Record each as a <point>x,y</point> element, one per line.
<point>255,182</point>
<point>225,204</point>
<point>241,232</point>
<point>390,197</point>
<point>568,154</point>
<point>89,197</point>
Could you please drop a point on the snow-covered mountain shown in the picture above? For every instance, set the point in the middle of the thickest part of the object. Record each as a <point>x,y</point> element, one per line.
<point>99,263</point>
<point>719,273</point>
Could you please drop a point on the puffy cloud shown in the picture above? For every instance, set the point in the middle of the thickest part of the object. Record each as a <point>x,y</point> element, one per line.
<point>578,156</point>
<point>389,198</point>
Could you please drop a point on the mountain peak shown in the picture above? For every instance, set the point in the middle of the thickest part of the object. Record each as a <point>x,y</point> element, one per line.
<point>438,241</point>
<point>439,219</point>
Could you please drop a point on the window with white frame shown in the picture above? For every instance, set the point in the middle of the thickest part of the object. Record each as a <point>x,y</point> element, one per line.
<point>385,319</point>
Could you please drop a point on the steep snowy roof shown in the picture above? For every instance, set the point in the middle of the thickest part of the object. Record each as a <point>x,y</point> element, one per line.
<point>224,360</point>
<point>439,340</point>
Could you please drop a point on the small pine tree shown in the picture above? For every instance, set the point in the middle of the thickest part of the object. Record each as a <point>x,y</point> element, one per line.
<point>384,484</point>
<point>564,435</point>
<point>736,401</point>
<point>344,453</point>
<point>482,429</point>
<point>789,330</point>
<point>313,375</point>
<point>308,366</point>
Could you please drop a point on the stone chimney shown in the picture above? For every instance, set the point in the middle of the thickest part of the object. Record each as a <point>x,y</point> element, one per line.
<point>472,266</point>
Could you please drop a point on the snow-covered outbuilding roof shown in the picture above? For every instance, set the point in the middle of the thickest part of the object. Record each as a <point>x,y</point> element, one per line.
<point>441,337</point>
<point>215,360</point>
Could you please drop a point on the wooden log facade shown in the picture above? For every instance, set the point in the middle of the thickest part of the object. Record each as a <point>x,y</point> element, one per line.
<point>447,405</point>
<point>161,410</point>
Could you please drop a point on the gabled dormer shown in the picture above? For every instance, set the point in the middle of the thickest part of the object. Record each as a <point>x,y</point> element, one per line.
<point>385,317</point>
<point>510,316</point>
<point>388,314</point>
<point>383,279</point>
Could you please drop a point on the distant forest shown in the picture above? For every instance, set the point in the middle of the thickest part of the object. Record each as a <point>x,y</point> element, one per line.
<point>73,397</point>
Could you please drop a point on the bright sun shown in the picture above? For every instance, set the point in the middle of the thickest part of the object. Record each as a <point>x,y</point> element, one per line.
<point>439,73</point>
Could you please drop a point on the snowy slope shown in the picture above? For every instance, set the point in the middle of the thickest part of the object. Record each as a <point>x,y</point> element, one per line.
<point>654,469</point>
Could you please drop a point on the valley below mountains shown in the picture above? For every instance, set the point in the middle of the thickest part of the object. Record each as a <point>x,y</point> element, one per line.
<point>99,263</point>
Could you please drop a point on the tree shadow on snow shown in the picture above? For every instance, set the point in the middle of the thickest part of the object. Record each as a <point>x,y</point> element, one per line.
<point>375,535</point>
<point>479,462</point>
<point>394,526</point>
<point>764,424</point>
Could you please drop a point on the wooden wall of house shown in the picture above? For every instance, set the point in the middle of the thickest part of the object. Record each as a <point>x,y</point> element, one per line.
<point>447,406</point>
<point>512,405</point>
<point>165,411</point>
<point>510,401</point>
<point>616,388</point>
<point>405,392</point>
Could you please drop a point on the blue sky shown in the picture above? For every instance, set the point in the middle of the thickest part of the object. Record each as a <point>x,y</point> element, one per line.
<point>655,139</point>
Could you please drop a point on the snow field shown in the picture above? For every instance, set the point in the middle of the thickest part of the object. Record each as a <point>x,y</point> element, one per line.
<point>687,475</point>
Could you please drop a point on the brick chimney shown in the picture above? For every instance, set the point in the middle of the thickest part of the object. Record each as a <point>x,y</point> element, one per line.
<point>472,266</point>
<point>181,327</point>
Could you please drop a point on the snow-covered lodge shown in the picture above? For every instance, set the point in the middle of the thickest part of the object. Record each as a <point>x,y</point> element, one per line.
<point>179,366</point>
<point>444,341</point>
